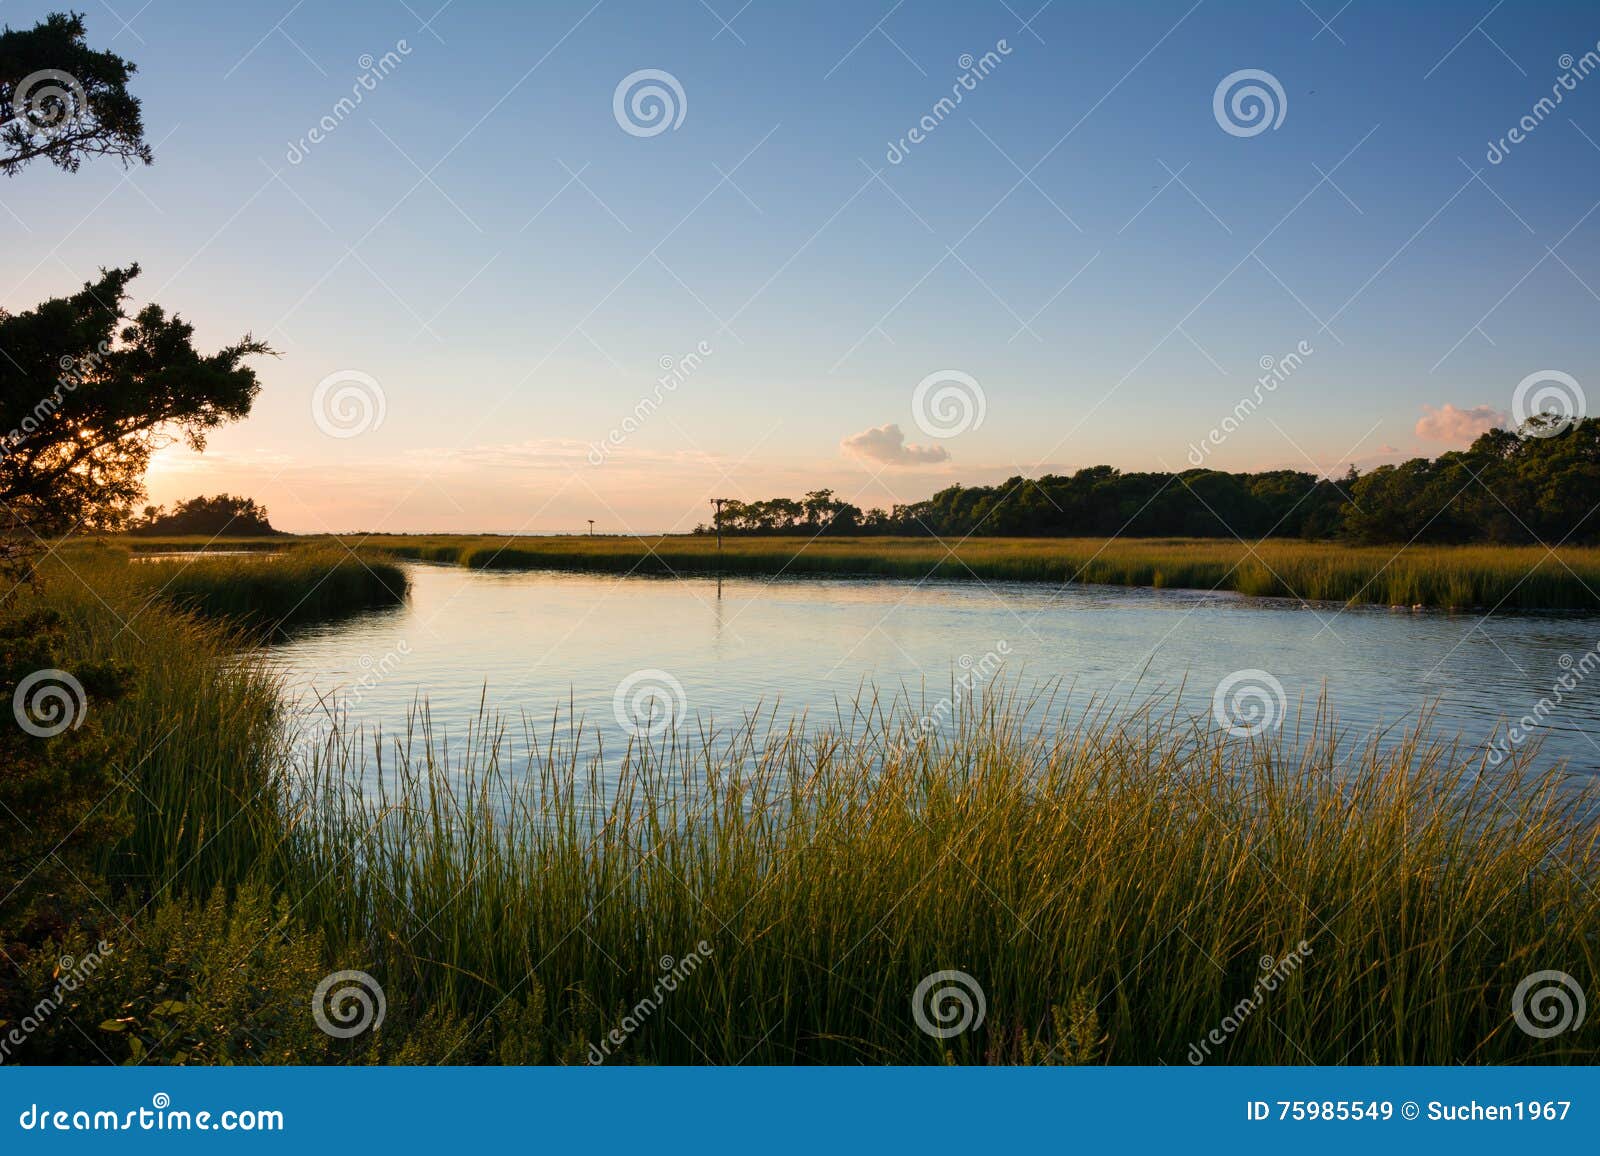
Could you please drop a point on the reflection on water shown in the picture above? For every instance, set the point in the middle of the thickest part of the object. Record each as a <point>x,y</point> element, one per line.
<point>537,641</point>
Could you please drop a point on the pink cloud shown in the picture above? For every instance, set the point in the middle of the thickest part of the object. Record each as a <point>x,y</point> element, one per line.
<point>1448,423</point>
<point>887,444</point>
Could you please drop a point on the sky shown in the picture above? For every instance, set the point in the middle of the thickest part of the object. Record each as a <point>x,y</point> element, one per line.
<point>508,298</point>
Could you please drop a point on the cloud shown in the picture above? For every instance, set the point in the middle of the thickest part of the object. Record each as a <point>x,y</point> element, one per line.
<point>886,444</point>
<point>1447,423</point>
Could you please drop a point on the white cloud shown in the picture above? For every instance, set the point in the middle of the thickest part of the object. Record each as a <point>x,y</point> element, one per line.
<point>887,444</point>
<point>1460,427</point>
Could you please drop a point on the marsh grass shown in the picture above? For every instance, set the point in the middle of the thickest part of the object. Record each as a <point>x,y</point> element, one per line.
<point>1461,577</point>
<point>1115,878</point>
<point>1140,866</point>
<point>308,584</point>
<point>203,731</point>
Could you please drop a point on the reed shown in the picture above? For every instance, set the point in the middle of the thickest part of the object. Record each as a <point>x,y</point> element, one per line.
<point>1112,885</point>
<point>1456,577</point>
<point>271,593</point>
<point>1111,880</point>
<point>203,731</point>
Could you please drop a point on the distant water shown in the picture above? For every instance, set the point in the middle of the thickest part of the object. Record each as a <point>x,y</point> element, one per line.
<point>535,641</point>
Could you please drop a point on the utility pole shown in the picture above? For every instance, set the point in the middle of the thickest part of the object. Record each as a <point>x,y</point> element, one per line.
<point>716,518</point>
<point>591,527</point>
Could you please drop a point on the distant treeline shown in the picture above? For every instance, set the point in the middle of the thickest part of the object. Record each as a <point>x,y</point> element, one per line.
<point>1541,484</point>
<point>222,516</point>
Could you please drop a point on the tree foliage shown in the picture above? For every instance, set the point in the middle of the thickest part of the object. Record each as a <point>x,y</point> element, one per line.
<point>89,392</point>
<point>1540,484</point>
<point>1537,484</point>
<point>221,516</point>
<point>61,100</point>
<point>1094,502</point>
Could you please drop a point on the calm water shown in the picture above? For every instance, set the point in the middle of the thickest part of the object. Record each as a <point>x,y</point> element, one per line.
<point>531,642</point>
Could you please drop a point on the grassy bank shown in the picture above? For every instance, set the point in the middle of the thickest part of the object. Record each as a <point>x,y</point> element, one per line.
<point>297,582</point>
<point>1464,577</point>
<point>1112,890</point>
<point>309,584</point>
<point>1112,887</point>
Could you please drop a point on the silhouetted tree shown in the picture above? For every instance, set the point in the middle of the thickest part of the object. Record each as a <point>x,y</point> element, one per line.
<point>1537,484</point>
<point>61,100</point>
<point>221,516</point>
<point>87,393</point>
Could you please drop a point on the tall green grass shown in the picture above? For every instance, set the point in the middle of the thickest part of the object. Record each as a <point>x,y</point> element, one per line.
<point>1110,882</point>
<point>1480,577</point>
<point>271,593</point>
<point>204,731</point>
<point>1122,876</point>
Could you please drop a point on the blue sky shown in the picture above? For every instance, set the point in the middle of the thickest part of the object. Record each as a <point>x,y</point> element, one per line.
<point>482,240</point>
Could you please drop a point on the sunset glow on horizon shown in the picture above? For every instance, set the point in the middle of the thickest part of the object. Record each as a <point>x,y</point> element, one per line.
<point>457,220</point>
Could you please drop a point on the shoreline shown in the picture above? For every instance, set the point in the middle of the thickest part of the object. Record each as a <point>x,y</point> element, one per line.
<point>1464,578</point>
